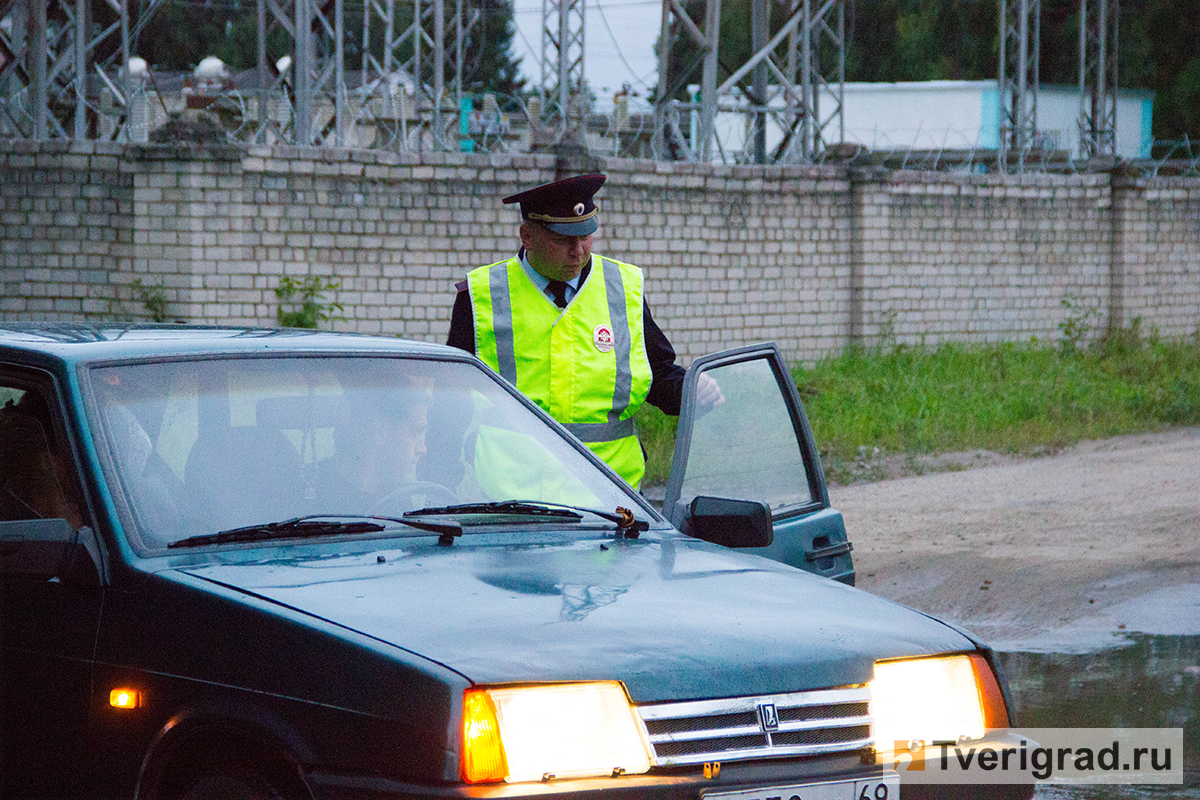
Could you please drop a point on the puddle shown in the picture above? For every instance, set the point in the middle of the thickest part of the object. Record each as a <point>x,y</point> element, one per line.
<point>1172,611</point>
<point>1150,682</point>
<point>1116,793</point>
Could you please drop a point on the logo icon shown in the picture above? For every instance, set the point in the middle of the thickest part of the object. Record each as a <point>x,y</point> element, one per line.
<point>602,338</point>
<point>768,718</point>
<point>909,755</point>
<point>579,209</point>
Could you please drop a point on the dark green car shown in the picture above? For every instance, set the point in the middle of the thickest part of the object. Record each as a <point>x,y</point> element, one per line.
<point>265,563</point>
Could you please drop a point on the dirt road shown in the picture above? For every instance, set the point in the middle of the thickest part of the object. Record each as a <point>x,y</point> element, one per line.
<point>1063,553</point>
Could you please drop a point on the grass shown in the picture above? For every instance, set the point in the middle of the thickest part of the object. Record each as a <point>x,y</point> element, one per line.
<point>1011,398</point>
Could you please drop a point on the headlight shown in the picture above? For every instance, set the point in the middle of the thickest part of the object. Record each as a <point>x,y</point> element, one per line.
<point>565,730</point>
<point>935,700</point>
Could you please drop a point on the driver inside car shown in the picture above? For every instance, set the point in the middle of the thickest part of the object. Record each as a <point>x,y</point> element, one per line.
<point>376,447</point>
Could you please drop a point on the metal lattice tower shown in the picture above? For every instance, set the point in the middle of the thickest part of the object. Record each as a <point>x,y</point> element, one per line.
<point>402,67</point>
<point>414,61</point>
<point>461,50</point>
<point>796,74</point>
<point>678,27</point>
<point>315,72</point>
<point>1020,40</point>
<point>563,79</point>
<point>821,82</point>
<point>48,54</point>
<point>57,82</point>
<point>1098,24</point>
<point>383,98</point>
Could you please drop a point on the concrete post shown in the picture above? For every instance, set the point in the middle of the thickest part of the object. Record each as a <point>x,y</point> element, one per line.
<point>1125,192</point>
<point>868,229</point>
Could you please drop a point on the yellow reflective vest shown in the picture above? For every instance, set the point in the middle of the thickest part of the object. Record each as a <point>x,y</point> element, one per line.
<point>585,364</point>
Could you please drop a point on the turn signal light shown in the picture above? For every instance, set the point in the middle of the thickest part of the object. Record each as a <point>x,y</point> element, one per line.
<point>125,698</point>
<point>995,712</point>
<point>483,752</point>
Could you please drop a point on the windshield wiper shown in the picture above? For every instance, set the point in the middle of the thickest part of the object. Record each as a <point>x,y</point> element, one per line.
<point>515,508</point>
<point>315,525</point>
<point>627,524</point>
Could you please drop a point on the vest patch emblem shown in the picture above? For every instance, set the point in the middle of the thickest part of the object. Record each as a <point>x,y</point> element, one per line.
<point>602,337</point>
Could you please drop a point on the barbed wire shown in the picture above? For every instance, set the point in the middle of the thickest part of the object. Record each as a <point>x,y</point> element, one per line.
<point>399,119</point>
<point>1178,157</point>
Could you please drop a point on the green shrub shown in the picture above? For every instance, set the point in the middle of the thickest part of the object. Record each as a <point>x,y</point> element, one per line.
<point>153,299</point>
<point>302,304</point>
<point>1013,398</point>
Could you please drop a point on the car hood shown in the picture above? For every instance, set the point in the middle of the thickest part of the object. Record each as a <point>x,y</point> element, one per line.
<point>673,618</point>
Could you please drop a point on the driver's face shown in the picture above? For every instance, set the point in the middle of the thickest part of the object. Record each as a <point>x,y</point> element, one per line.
<point>404,438</point>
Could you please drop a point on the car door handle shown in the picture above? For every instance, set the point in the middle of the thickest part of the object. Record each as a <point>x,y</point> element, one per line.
<point>829,552</point>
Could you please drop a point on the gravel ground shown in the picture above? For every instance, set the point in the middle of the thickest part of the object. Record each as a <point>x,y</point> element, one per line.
<point>1064,553</point>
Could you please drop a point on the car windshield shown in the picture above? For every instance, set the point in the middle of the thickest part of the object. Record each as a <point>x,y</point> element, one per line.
<point>207,445</point>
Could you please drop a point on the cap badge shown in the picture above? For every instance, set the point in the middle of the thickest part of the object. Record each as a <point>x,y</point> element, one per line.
<point>602,337</point>
<point>579,207</point>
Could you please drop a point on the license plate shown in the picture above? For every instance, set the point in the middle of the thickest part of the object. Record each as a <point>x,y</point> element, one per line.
<point>885,787</point>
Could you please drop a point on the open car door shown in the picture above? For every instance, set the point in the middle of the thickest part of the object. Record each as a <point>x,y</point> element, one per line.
<point>755,446</point>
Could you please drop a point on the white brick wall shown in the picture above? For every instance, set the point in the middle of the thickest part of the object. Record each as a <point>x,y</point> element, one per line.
<point>732,254</point>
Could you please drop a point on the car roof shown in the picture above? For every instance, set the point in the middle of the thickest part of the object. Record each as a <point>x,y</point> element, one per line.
<point>81,342</point>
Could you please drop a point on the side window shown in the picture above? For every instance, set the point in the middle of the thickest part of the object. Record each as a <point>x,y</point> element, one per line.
<point>747,447</point>
<point>36,480</point>
<point>753,445</point>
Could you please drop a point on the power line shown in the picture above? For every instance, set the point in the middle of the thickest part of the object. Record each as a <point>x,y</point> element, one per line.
<point>617,45</point>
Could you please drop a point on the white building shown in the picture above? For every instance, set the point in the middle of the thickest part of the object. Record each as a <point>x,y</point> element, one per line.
<point>933,116</point>
<point>953,115</point>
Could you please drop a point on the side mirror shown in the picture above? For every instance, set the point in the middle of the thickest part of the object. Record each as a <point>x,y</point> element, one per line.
<point>730,523</point>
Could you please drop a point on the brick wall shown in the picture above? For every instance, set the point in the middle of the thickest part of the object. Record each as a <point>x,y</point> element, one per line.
<point>1158,252</point>
<point>811,257</point>
<point>65,228</point>
<point>985,258</point>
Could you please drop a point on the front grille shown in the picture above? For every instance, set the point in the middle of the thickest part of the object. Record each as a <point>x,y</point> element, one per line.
<point>808,723</point>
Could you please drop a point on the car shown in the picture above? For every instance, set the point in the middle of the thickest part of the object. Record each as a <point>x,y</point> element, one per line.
<point>284,563</point>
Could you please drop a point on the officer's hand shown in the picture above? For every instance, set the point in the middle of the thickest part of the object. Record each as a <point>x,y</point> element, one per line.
<point>708,393</point>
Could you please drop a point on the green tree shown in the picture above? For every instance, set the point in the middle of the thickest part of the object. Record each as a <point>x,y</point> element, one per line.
<point>495,68</point>
<point>911,40</point>
<point>180,34</point>
<point>239,47</point>
<point>1168,32</point>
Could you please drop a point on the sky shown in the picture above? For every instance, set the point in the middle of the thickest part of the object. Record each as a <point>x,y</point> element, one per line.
<point>619,37</point>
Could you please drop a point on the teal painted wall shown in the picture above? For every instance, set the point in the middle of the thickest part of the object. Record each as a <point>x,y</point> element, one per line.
<point>1147,127</point>
<point>989,113</point>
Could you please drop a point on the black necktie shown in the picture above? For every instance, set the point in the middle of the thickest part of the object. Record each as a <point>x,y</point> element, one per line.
<point>558,291</point>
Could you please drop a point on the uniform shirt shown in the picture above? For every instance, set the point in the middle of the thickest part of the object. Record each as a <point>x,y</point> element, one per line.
<point>666,385</point>
<point>542,282</point>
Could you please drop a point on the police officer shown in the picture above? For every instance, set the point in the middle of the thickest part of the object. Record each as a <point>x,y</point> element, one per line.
<point>571,329</point>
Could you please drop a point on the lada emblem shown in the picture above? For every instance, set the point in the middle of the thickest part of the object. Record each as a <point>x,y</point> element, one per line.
<point>768,718</point>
